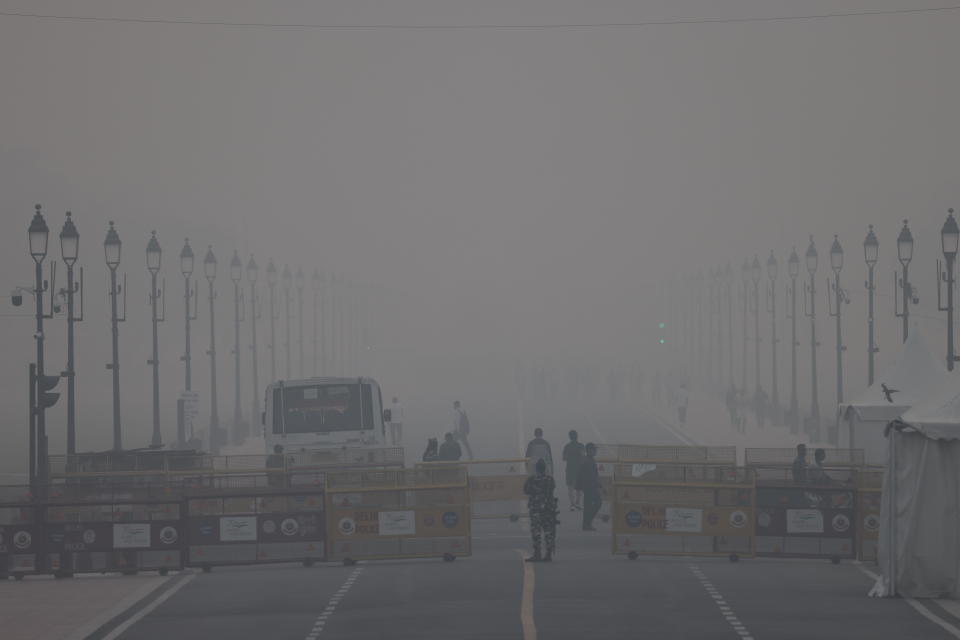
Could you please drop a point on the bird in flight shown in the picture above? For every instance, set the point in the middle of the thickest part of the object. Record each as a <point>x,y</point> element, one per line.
<point>888,392</point>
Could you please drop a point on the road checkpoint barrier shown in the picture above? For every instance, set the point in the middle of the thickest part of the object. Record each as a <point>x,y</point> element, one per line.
<point>20,533</point>
<point>806,520</point>
<point>868,514</point>
<point>123,536</point>
<point>410,513</point>
<point>677,454</point>
<point>784,457</point>
<point>284,525</point>
<point>683,509</point>
<point>496,486</point>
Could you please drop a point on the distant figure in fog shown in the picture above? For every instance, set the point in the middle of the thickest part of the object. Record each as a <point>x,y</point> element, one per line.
<point>542,506</point>
<point>539,449</point>
<point>760,406</point>
<point>573,454</point>
<point>816,474</point>
<point>450,449</point>
<point>588,481</point>
<point>396,422</point>
<point>799,468</point>
<point>683,399</point>
<point>431,454</point>
<point>461,427</point>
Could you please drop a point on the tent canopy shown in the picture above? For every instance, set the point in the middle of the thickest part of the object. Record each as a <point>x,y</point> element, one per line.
<point>938,417</point>
<point>914,375</point>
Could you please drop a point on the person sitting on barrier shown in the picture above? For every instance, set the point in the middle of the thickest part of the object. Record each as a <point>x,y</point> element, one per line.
<point>816,474</point>
<point>800,465</point>
<point>542,506</point>
<point>431,454</point>
<point>573,455</point>
<point>539,449</point>
<point>588,481</point>
<point>275,467</point>
<point>450,449</point>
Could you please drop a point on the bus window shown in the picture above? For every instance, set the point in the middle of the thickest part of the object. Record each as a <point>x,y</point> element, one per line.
<point>322,409</point>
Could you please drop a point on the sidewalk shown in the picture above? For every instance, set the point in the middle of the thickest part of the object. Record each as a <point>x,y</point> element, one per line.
<point>44,608</point>
<point>708,424</point>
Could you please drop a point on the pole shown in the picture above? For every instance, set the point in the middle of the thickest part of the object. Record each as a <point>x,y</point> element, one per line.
<point>814,401</point>
<point>33,427</point>
<point>838,293</point>
<point>756,329</point>
<point>115,365</point>
<point>774,392</point>
<point>41,411</point>
<point>187,383</point>
<point>300,327</point>
<point>273,334</point>
<point>214,416</point>
<point>729,290</point>
<point>253,347</point>
<point>871,339</point>
<point>794,408</point>
<point>287,314</point>
<point>238,436</point>
<point>951,358</point>
<point>905,285</point>
<point>316,352</point>
<point>71,372</point>
<point>156,440</point>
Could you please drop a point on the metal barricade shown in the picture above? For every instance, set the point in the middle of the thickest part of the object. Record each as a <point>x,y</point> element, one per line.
<point>411,513</point>
<point>868,514</point>
<point>279,525</point>
<point>784,457</point>
<point>677,454</point>
<point>86,537</point>
<point>20,533</point>
<point>496,486</point>
<point>679,509</point>
<point>806,520</point>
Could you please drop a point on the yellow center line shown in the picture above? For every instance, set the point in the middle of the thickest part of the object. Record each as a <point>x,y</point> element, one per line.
<point>526,601</point>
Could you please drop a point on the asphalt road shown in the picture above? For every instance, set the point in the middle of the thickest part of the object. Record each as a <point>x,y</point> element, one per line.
<point>585,593</point>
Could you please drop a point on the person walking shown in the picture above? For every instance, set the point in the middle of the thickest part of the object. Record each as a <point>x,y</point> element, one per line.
<point>800,466</point>
<point>461,427</point>
<point>539,449</point>
<point>683,399</point>
<point>542,507</point>
<point>450,449</point>
<point>573,454</point>
<point>588,481</point>
<point>396,422</point>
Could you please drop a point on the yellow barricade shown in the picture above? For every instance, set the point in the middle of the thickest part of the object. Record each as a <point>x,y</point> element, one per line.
<point>681,509</point>
<point>496,485</point>
<point>403,513</point>
<point>677,454</point>
<point>868,510</point>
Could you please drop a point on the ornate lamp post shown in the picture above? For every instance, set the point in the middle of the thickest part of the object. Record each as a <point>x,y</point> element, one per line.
<point>903,286</point>
<point>745,292</point>
<point>298,280</point>
<point>755,275</point>
<point>69,250</point>
<point>793,270</point>
<point>210,272</point>
<point>871,249</point>
<point>271,287</point>
<point>236,273</point>
<point>811,312</point>
<point>253,272</point>
<point>154,256</point>
<point>839,296</point>
<point>772,308</point>
<point>111,250</point>
<point>949,239</point>
<point>287,286</point>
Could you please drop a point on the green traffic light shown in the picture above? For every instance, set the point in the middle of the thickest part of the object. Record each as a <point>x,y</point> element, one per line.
<point>662,341</point>
<point>663,325</point>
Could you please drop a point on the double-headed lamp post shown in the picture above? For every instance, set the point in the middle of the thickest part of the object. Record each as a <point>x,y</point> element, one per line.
<point>111,250</point>
<point>871,249</point>
<point>236,273</point>
<point>271,287</point>
<point>811,258</point>
<point>154,256</point>
<point>287,284</point>
<point>839,297</point>
<point>299,284</point>
<point>755,275</point>
<point>252,272</point>
<point>69,250</point>
<point>772,269</point>
<point>904,255</point>
<point>210,272</point>
<point>793,270</point>
<point>949,239</point>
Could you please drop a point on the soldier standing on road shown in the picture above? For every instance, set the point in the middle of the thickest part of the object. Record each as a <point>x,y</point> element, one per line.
<point>588,481</point>
<point>542,505</point>
<point>461,427</point>
<point>573,455</point>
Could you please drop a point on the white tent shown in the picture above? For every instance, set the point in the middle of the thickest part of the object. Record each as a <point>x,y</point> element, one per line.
<point>915,375</point>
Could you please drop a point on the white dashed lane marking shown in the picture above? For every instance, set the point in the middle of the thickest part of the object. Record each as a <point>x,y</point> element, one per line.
<point>725,610</point>
<point>321,621</point>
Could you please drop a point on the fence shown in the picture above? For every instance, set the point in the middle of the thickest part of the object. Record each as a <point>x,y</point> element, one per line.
<point>681,509</point>
<point>677,454</point>
<point>496,486</point>
<point>412,513</point>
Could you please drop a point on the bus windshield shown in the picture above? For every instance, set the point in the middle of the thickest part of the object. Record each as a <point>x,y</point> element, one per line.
<point>322,408</point>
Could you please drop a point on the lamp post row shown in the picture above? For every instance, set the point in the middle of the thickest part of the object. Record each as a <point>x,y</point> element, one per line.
<point>42,386</point>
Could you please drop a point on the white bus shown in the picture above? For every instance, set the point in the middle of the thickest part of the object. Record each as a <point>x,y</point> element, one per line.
<point>321,413</point>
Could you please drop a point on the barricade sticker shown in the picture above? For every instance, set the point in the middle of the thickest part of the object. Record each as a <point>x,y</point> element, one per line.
<point>488,488</point>
<point>238,529</point>
<point>683,520</point>
<point>131,536</point>
<point>804,521</point>
<point>397,523</point>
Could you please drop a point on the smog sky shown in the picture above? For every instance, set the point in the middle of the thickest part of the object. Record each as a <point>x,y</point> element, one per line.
<point>500,194</point>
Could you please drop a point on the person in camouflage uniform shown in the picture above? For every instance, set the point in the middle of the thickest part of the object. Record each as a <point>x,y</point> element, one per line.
<point>542,505</point>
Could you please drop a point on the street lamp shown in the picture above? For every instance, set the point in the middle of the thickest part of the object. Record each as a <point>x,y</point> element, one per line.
<point>903,286</point>
<point>210,272</point>
<point>755,275</point>
<point>728,283</point>
<point>236,273</point>
<point>810,310</point>
<point>253,272</point>
<point>287,282</point>
<point>154,255</point>
<point>271,286</point>
<point>745,292</point>
<point>69,250</point>
<point>839,296</point>
<point>949,239</point>
<point>111,250</point>
<point>772,309</point>
<point>871,250</point>
<point>299,284</point>
<point>317,283</point>
<point>793,270</point>
<point>183,414</point>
